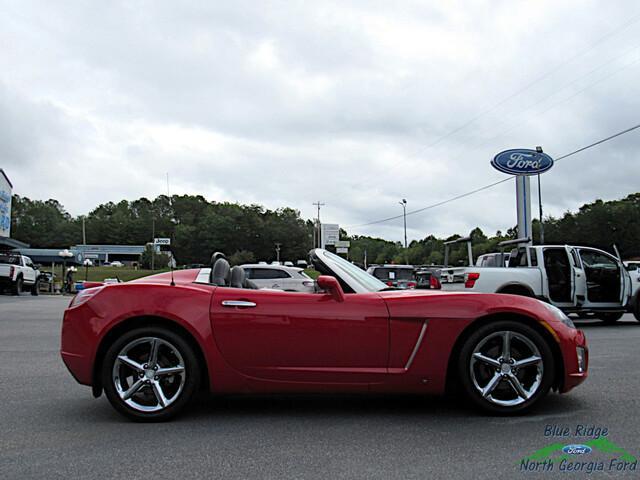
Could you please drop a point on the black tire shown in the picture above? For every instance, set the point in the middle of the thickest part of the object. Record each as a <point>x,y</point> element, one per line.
<point>191,370</point>
<point>516,290</point>
<point>35,289</point>
<point>466,368</point>
<point>636,309</point>
<point>17,286</point>
<point>610,318</point>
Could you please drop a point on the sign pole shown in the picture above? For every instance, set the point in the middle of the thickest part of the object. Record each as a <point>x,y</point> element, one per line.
<point>540,208</point>
<point>523,201</point>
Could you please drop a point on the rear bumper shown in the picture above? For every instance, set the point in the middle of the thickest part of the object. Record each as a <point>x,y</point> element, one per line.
<point>77,341</point>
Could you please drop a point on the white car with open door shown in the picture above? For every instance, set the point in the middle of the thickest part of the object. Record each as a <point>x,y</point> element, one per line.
<point>580,280</point>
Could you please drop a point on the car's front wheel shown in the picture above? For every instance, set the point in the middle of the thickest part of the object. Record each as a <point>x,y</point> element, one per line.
<point>150,374</point>
<point>506,367</point>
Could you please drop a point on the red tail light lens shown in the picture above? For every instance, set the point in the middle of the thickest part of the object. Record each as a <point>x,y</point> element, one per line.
<point>434,283</point>
<point>389,284</point>
<point>11,272</point>
<point>84,296</point>
<point>411,284</point>
<point>470,279</point>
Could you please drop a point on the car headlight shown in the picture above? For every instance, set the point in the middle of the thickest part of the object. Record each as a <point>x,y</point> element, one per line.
<point>559,315</point>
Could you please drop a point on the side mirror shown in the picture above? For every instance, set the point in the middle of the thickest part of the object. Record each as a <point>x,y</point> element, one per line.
<point>331,286</point>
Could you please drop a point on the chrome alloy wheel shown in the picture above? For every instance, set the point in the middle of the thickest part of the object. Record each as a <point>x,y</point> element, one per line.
<point>149,374</point>
<point>506,368</point>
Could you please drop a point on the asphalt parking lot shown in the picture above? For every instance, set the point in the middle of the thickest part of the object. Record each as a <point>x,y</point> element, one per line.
<point>53,428</point>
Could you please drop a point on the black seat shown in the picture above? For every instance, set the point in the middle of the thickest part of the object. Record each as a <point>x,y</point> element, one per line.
<point>220,273</point>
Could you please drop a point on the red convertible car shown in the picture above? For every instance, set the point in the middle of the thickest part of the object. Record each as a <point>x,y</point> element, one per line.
<point>151,344</point>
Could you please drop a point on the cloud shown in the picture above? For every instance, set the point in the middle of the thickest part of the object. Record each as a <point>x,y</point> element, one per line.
<point>358,104</point>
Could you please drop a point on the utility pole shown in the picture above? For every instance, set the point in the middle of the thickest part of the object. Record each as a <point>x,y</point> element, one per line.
<point>84,232</point>
<point>153,244</point>
<point>404,215</point>
<point>278,252</point>
<point>318,243</point>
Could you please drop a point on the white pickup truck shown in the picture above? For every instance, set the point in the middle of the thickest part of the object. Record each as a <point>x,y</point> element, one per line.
<point>580,280</point>
<point>18,273</point>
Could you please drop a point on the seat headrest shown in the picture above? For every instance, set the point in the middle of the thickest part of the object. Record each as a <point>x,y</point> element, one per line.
<point>220,273</point>
<point>237,277</point>
<point>216,256</point>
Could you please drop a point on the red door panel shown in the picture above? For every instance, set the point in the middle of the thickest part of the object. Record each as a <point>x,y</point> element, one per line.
<point>301,337</point>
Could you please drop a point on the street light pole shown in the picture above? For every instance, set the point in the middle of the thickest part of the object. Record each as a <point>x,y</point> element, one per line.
<point>278,252</point>
<point>404,216</point>
<point>319,239</point>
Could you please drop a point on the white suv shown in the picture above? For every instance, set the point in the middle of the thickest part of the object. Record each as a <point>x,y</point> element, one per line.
<point>290,279</point>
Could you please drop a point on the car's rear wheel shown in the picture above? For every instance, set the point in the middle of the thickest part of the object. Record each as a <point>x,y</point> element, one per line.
<point>610,318</point>
<point>150,374</point>
<point>17,286</point>
<point>35,288</point>
<point>506,367</point>
<point>636,309</point>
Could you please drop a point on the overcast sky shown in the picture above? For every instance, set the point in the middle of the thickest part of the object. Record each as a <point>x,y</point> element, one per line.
<point>357,104</point>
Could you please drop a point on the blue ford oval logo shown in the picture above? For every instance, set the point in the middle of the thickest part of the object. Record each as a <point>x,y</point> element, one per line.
<point>520,161</point>
<point>577,449</point>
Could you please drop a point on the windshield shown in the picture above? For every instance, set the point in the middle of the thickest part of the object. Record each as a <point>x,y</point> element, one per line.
<point>390,273</point>
<point>354,276</point>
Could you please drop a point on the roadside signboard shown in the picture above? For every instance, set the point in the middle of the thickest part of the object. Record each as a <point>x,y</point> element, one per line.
<point>329,234</point>
<point>343,244</point>
<point>5,205</point>
<point>162,241</point>
<point>523,163</point>
<point>342,250</point>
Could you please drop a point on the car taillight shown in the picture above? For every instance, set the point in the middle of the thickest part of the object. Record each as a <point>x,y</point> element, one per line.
<point>389,284</point>
<point>84,296</point>
<point>411,284</point>
<point>434,282</point>
<point>11,271</point>
<point>470,279</point>
<point>309,283</point>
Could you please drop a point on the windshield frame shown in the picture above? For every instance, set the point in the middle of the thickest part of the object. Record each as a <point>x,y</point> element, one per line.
<point>356,278</point>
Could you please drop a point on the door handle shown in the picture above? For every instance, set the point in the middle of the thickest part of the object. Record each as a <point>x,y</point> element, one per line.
<point>238,303</point>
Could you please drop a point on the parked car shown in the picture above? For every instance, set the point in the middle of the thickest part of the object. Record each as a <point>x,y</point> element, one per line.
<point>633,267</point>
<point>427,278</point>
<point>117,264</point>
<point>46,280</point>
<point>290,279</point>
<point>158,339</point>
<point>398,276</point>
<point>18,273</point>
<point>581,280</point>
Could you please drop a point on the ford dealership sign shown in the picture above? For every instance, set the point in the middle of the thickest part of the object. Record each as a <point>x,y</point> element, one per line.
<point>520,161</point>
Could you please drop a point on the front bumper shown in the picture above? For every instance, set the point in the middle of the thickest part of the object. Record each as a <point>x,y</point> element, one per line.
<point>575,368</point>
